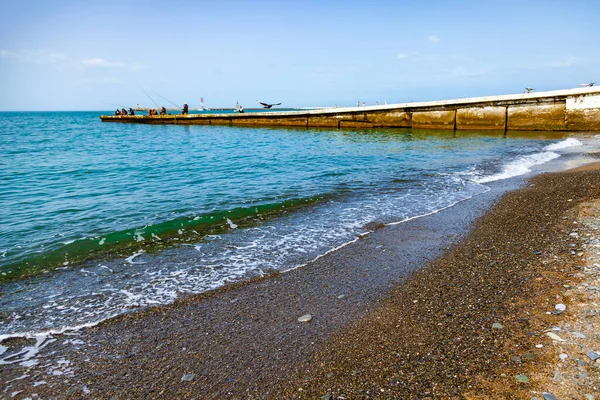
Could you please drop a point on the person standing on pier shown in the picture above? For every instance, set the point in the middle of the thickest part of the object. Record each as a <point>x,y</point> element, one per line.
<point>185,109</point>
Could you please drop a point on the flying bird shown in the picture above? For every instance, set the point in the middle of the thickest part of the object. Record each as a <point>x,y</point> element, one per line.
<point>587,84</point>
<point>529,89</point>
<point>266,105</point>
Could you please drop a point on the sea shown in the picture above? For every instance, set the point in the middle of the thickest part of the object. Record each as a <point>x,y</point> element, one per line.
<point>100,219</point>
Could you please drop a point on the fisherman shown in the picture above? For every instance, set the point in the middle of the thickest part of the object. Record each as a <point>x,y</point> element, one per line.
<point>185,109</point>
<point>131,111</point>
<point>123,111</point>
<point>163,111</point>
<point>117,112</point>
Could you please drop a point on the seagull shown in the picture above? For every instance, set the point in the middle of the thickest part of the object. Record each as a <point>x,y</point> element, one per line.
<point>529,89</point>
<point>587,84</point>
<point>266,105</point>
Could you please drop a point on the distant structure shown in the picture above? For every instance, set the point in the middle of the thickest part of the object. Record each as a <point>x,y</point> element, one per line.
<point>587,84</point>
<point>266,105</point>
<point>202,103</point>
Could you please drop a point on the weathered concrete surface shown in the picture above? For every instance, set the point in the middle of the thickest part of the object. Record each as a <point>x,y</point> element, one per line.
<point>433,119</point>
<point>583,112</point>
<point>583,120</point>
<point>484,118</point>
<point>571,110</point>
<point>323,121</point>
<point>537,117</point>
<point>276,121</point>
<point>390,119</point>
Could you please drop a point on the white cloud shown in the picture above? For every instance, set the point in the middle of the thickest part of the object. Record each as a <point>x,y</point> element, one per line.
<point>37,57</point>
<point>404,56</point>
<point>102,63</point>
<point>434,39</point>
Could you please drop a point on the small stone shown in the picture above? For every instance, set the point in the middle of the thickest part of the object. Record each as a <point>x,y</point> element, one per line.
<point>341,296</point>
<point>590,397</point>
<point>539,345</point>
<point>578,335</point>
<point>563,356</point>
<point>549,396</point>
<point>497,325</point>
<point>305,318</point>
<point>328,396</point>
<point>330,375</point>
<point>522,378</point>
<point>188,377</point>
<point>516,359</point>
<point>528,355</point>
<point>554,336</point>
<point>594,355</point>
<point>566,286</point>
<point>560,307</point>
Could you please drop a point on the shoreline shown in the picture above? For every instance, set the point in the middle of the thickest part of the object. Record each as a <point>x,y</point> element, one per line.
<point>245,341</point>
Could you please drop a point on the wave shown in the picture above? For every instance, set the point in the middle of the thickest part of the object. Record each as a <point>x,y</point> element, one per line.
<point>149,238</point>
<point>523,164</point>
<point>564,144</point>
<point>520,166</point>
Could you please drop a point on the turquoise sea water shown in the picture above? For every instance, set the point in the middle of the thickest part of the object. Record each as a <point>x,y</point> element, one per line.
<point>97,218</point>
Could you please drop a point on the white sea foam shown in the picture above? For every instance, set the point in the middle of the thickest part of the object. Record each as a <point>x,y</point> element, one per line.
<point>564,144</point>
<point>520,166</point>
<point>131,257</point>
<point>115,287</point>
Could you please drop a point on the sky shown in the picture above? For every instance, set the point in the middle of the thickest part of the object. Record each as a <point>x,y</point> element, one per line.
<point>99,55</point>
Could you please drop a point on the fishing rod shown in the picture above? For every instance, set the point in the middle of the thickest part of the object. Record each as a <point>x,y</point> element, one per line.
<point>167,100</point>
<point>118,105</point>
<point>157,106</point>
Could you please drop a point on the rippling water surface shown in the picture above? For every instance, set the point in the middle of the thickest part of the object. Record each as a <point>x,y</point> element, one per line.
<point>97,218</point>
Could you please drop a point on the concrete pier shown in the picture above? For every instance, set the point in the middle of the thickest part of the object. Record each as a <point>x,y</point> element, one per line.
<point>558,110</point>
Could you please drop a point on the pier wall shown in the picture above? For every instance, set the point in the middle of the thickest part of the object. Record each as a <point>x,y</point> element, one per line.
<point>561,110</point>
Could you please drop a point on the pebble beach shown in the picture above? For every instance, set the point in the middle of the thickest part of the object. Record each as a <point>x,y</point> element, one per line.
<point>503,305</point>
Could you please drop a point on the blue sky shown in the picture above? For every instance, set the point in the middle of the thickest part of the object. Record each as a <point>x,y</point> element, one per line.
<point>93,55</point>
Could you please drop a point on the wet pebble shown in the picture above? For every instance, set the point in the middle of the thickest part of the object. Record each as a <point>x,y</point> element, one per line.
<point>497,325</point>
<point>188,377</point>
<point>554,336</point>
<point>305,318</point>
<point>522,378</point>
<point>549,396</point>
<point>594,355</point>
